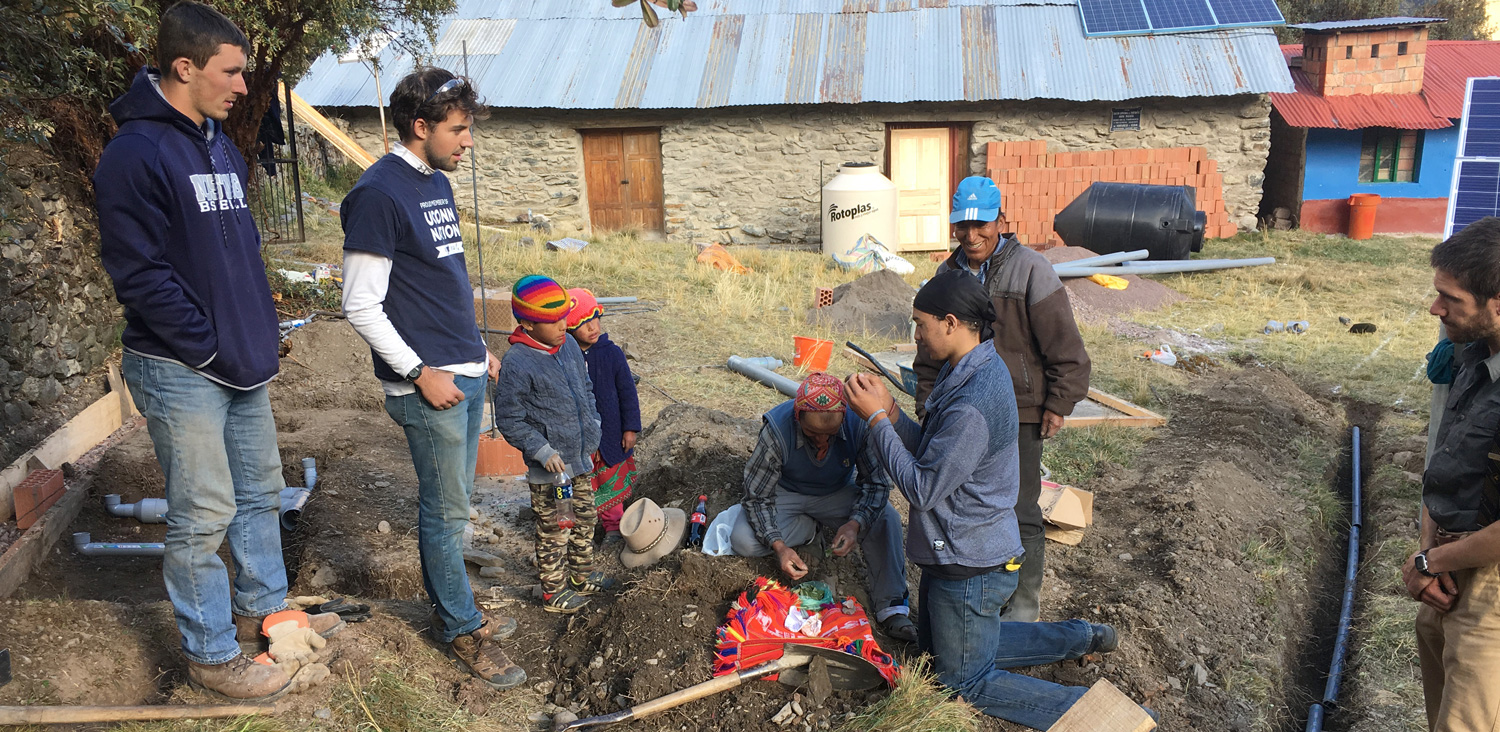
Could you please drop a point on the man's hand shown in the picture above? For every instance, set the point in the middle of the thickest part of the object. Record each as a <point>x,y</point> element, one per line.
<point>627,440</point>
<point>846,538</point>
<point>494,365</point>
<point>1051,423</point>
<point>555,464</point>
<point>436,386</point>
<point>791,564</point>
<point>1438,592</point>
<point>868,395</point>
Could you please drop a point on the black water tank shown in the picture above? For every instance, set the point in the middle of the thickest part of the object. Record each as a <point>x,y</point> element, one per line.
<point>1123,217</point>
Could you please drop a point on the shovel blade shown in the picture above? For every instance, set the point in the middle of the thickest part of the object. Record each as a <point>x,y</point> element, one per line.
<point>846,672</point>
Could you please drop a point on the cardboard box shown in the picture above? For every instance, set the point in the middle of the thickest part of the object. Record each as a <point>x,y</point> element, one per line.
<point>1066,507</point>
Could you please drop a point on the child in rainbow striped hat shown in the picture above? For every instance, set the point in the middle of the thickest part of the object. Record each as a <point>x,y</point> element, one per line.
<point>544,407</point>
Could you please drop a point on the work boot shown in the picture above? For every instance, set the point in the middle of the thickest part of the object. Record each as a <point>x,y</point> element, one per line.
<point>483,657</point>
<point>493,627</point>
<point>239,679</point>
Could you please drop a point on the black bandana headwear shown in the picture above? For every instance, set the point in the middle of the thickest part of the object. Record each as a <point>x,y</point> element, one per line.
<point>961,295</point>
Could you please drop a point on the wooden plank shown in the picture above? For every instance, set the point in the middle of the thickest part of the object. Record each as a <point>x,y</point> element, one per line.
<point>1120,405</point>
<point>79,435</point>
<point>1104,709</point>
<point>304,112</point>
<point>17,563</point>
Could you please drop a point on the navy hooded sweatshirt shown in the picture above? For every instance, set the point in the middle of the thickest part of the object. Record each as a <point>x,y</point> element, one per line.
<point>177,238</point>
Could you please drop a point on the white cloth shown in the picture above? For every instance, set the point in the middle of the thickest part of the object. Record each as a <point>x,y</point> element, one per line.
<point>716,538</point>
<point>367,280</point>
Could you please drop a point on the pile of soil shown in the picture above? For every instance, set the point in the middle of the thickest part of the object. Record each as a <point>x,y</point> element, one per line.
<point>690,451</point>
<point>1096,304</point>
<point>877,304</point>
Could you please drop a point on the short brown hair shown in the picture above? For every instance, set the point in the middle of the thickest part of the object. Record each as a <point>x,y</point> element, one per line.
<point>194,31</point>
<point>1472,257</point>
<point>412,99</point>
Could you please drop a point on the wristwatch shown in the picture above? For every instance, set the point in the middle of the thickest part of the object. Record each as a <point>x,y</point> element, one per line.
<point>1421,563</point>
<point>414,373</point>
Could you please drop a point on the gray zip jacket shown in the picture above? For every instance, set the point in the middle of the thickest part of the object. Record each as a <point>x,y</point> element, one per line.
<point>544,406</point>
<point>959,468</point>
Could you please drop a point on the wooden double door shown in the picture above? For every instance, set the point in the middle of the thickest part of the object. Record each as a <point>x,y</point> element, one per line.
<point>622,171</point>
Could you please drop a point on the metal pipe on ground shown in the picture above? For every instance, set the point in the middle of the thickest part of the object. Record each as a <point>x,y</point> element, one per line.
<point>146,510</point>
<point>81,542</point>
<point>1315,714</point>
<point>1104,259</point>
<point>1166,267</point>
<point>770,378</point>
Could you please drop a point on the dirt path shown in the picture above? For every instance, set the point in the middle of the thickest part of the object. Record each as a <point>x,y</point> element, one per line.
<point>1204,554</point>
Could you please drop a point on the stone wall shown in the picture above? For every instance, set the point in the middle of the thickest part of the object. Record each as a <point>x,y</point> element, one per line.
<point>753,174</point>
<point>57,309</point>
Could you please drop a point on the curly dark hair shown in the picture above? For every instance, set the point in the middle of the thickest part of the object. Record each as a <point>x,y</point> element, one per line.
<point>415,98</point>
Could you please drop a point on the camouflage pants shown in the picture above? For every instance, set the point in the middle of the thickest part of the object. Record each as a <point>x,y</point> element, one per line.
<point>556,546</point>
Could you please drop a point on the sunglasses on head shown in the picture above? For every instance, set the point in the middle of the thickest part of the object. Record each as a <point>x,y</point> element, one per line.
<point>447,86</point>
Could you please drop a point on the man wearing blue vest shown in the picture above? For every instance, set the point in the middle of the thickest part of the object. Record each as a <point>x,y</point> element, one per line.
<point>406,292</point>
<point>811,467</point>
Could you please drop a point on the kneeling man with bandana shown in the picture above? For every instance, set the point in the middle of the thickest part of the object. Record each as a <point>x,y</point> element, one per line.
<point>812,468</point>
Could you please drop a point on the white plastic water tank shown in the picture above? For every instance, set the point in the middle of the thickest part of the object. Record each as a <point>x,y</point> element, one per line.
<point>858,201</point>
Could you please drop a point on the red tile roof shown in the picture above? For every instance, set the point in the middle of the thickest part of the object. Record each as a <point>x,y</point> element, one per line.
<point>1448,65</point>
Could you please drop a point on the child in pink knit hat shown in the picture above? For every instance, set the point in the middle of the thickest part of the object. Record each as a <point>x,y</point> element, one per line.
<point>618,405</point>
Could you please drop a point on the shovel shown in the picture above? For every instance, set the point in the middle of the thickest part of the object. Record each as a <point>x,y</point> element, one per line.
<point>845,671</point>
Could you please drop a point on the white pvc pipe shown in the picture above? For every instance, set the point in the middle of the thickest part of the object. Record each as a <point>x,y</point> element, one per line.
<point>765,376</point>
<point>146,510</point>
<point>615,300</point>
<point>108,549</point>
<point>1167,267</point>
<point>1103,259</point>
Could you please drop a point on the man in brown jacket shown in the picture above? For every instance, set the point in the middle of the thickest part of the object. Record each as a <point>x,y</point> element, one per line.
<point>1035,334</point>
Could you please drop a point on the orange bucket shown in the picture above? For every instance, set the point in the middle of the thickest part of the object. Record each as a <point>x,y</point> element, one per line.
<point>813,354</point>
<point>1362,214</point>
<point>497,457</point>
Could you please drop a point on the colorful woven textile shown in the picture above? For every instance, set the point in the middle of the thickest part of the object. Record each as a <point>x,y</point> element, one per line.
<point>539,299</point>
<point>755,629</point>
<point>819,392</point>
<point>613,484</point>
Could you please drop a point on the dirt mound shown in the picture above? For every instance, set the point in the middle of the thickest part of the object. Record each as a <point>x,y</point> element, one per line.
<point>88,652</point>
<point>1095,303</point>
<point>329,366</point>
<point>691,450</point>
<point>878,303</point>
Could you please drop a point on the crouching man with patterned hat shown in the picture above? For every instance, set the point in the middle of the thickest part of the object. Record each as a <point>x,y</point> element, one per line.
<point>812,468</point>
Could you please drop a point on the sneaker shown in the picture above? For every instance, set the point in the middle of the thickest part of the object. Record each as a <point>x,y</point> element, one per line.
<point>239,679</point>
<point>484,658</point>
<point>563,601</point>
<point>591,584</point>
<point>1106,639</point>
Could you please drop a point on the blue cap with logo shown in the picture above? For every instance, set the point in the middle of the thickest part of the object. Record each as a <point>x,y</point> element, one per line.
<point>977,199</point>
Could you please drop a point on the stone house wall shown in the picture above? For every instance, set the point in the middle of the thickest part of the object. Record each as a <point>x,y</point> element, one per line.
<point>753,174</point>
<point>58,313</point>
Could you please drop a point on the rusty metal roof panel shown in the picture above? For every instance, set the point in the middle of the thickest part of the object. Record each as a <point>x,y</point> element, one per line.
<point>861,51</point>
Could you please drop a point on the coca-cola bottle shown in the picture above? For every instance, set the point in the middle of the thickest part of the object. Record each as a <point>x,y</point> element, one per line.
<point>699,523</point>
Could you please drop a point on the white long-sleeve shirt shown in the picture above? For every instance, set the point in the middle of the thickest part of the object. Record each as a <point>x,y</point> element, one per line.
<point>367,279</point>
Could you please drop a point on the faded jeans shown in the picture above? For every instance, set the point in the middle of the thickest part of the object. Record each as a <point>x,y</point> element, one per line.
<point>444,449</point>
<point>217,448</point>
<point>959,624</point>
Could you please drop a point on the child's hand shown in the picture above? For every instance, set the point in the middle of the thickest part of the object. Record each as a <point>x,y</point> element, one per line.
<point>493,365</point>
<point>627,441</point>
<point>555,464</point>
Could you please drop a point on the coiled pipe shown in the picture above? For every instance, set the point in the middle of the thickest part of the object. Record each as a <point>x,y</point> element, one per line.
<point>111,549</point>
<point>146,510</point>
<point>1346,613</point>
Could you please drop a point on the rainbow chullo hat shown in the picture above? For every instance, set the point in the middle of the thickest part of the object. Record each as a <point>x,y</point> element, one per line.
<point>539,299</point>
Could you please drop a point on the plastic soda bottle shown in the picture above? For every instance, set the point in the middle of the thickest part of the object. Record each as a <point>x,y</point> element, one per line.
<point>699,522</point>
<point>562,493</point>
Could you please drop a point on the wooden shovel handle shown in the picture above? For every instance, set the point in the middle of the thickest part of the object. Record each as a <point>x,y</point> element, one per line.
<point>707,688</point>
<point>80,714</point>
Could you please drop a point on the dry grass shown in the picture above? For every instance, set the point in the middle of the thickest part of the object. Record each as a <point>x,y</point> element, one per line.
<point>918,704</point>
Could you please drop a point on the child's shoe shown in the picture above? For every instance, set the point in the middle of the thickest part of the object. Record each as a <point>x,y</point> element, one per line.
<point>591,584</point>
<point>564,601</point>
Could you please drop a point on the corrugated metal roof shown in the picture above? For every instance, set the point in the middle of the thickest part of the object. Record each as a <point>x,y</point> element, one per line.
<point>1446,70</point>
<point>1334,25</point>
<point>577,55</point>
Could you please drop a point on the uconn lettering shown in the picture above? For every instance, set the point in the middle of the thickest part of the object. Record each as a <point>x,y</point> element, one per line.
<point>443,225</point>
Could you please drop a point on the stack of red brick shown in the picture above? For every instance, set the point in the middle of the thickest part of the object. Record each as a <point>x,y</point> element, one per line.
<point>1035,184</point>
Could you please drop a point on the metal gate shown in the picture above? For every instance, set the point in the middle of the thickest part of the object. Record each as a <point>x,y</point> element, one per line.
<point>277,197</point>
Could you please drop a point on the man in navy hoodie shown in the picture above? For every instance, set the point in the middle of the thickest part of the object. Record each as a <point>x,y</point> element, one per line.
<point>200,342</point>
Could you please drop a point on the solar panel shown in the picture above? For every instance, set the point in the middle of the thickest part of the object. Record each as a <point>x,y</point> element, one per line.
<point>1476,175</point>
<point>1134,17</point>
<point>1246,12</point>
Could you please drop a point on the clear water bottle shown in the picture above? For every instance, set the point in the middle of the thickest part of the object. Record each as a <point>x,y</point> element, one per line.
<point>562,494</point>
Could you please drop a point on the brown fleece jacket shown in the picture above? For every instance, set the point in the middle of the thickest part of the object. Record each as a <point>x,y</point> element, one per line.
<point>1034,333</point>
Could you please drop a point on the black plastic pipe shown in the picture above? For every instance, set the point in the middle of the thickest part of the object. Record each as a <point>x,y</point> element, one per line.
<point>1346,613</point>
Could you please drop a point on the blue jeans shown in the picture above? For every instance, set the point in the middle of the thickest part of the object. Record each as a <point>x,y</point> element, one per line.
<point>217,448</point>
<point>444,449</point>
<point>958,622</point>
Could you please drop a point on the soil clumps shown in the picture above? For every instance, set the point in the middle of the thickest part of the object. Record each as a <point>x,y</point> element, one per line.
<point>878,304</point>
<point>1095,304</point>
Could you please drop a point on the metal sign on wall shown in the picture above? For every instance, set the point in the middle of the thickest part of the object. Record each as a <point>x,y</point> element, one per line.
<point>1125,119</point>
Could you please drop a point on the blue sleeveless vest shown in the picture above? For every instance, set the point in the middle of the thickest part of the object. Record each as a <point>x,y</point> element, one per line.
<point>801,472</point>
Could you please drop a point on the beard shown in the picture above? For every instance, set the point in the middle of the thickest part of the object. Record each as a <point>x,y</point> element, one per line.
<point>1481,328</point>
<point>444,163</point>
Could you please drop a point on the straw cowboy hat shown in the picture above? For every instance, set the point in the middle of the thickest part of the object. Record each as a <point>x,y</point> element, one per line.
<point>650,532</point>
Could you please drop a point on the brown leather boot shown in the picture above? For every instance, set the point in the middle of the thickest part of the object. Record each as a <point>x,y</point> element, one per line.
<point>484,658</point>
<point>239,679</point>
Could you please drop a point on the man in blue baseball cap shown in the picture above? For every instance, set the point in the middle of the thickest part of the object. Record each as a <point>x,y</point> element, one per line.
<point>1038,339</point>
